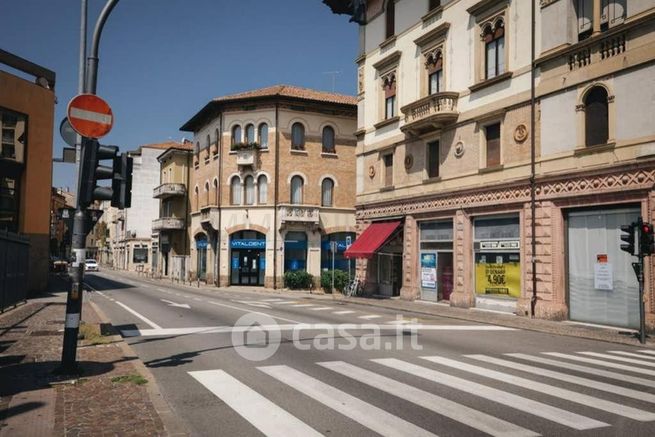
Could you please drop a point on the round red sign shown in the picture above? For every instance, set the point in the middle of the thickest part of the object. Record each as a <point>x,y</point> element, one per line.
<point>90,116</point>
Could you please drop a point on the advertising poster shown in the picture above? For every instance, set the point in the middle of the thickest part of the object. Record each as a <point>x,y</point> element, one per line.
<point>429,270</point>
<point>496,278</point>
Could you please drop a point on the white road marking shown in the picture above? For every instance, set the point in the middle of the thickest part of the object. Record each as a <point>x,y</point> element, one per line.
<point>303,305</point>
<point>321,308</point>
<point>399,322</point>
<point>601,363</point>
<point>161,289</point>
<point>245,310</point>
<point>520,403</point>
<point>272,300</point>
<point>254,304</point>
<point>173,304</point>
<point>586,369</point>
<point>569,395</point>
<point>630,354</point>
<point>286,302</point>
<point>370,416</point>
<point>647,352</point>
<point>445,407</point>
<point>585,382</point>
<point>263,414</point>
<point>148,321</point>
<point>615,358</point>
<point>343,312</point>
<point>369,317</point>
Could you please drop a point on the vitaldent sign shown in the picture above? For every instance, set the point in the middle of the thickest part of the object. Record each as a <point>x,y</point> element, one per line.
<point>248,244</point>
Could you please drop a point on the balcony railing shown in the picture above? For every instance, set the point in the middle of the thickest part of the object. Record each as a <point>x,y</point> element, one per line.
<point>209,217</point>
<point>167,224</point>
<point>431,112</point>
<point>168,190</point>
<point>247,157</point>
<point>299,214</point>
<point>597,49</point>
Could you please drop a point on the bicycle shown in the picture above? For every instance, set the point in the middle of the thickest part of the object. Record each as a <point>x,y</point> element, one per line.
<point>354,288</point>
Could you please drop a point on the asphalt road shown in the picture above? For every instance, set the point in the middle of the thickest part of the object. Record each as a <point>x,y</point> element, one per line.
<point>242,362</point>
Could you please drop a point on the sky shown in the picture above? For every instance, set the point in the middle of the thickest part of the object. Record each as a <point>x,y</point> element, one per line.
<point>161,61</point>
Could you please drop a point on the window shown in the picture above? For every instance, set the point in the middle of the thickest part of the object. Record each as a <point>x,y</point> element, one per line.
<point>435,73</point>
<point>215,186</point>
<point>298,136</point>
<point>492,135</point>
<point>218,138</point>
<point>389,85</point>
<point>596,116</point>
<point>296,190</point>
<point>262,134</point>
<point>236,134</point>
<point>328,139</point>
<point>139,255</point>
<point>9,202</point>
<point>433,159</point>
<point>13,127</point>
<point>390,19</point>
<point>208,141</point>
<point>262,189</point>
<point>295,251</point>
<point>388,170</point>
<point>494,49</point>
<point>327,188</point>
<point>235,191</point>
<point>197,148</point>
<point>250,190</point>
<point>434,4</point>
<point>250,133</point>
<point>612,12</point>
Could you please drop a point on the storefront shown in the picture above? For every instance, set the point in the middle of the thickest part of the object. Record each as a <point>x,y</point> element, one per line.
<point>295,251</point>
<point>201,248</point>
<point>436,260</point>
<point>247,258</point>
<point>497,250</point>
<point>602,286</point>
<point>343,240</point>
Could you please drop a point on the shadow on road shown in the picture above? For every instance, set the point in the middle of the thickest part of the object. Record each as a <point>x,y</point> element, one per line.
<point>101,283</point>
<point>19,409</point>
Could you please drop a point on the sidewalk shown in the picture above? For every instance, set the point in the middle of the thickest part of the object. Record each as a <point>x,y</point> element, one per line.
<point>572,329</point>
<point>115,395</point>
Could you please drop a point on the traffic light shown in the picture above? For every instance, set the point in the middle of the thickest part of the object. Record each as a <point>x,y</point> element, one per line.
<point>92,171</point>
<point>121,184</point>
<point>646,239</point>
<point>629,235</point>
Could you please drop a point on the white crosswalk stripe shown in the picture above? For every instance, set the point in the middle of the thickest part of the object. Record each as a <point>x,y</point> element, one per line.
<point>370,416</point>
<point>630,354</point>
<point>461,413</point>
<point>255,408</point>
<point>622,359</point>
<point>320,308</point>
<point>647,352</point>
<point>343,312</point>
<point>303,305</point>
<point>602,363</point>
<point>286,302</point>
<point>370,317</point>
<point>554,414</point>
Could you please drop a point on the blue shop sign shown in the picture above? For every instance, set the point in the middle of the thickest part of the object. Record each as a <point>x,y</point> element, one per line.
<point>201,243</point>
<point>235,263</point>
<point>341,245</point>
<point>248,244</point>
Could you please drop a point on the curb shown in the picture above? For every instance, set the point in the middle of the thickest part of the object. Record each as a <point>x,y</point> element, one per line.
<point>172,423</point>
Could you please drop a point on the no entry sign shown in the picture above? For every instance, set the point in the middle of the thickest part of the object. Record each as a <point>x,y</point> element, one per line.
<point>90,116</point>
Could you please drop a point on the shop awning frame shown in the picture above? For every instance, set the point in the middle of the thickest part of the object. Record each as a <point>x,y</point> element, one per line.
<point>370,241</point>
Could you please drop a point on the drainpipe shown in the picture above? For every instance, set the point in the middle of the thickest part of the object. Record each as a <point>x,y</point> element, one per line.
<point>219,187</point>
<point>533,183</point>
<point>189,162</point>
<point>275,201</point>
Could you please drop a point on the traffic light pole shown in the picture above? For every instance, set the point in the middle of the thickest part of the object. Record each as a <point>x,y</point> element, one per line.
<point>642,307</point>
<point>81,220</point>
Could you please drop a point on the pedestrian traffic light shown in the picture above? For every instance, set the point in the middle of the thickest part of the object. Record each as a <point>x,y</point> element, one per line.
<point>646,239</point>
<point>629,235</point>
<point>92,171</point>
<point>121,184</point>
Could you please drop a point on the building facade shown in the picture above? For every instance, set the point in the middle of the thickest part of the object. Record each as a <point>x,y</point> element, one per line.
<point>26,121</point>
<point>497,200</point>
<point>271,184</point>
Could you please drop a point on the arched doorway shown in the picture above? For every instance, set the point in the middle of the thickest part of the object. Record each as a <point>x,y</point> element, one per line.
<point>201,248</point>
<point>247,258</point>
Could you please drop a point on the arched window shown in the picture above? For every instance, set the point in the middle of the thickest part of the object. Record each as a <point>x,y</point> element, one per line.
<point>262,189</point>
<point>209,141</point>
<point>596,116</point>
<point>327,189</point>
<point>390,28</point>
<point>250,133</point>
<point>206,193</point>
<point>262,135</point>
<point>218,138</point>
<point>236,134</point>
<point>328,139</point>
<point>235,191</point>
<point>215,187</point>
<point>195,191</point>
<point>298,136</point>
<point>494,49</point>
<point>296,190</point>
<point>250,190</point>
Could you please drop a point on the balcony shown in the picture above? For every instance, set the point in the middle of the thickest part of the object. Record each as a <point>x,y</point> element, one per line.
<point>209,218</point>
<point>432,112</point>
<point>597,49</point>
<point>303,214</point>
<point>168,224</point>
<point>169,190</point>
<point>246,157</point>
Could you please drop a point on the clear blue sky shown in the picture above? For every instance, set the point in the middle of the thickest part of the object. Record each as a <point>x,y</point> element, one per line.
<point>162,60</point>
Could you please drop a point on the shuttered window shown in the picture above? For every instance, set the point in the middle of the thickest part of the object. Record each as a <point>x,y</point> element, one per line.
<point>388,170</point>
<point>492,133</point>
<point>596,118</point>
<point>433,159</point>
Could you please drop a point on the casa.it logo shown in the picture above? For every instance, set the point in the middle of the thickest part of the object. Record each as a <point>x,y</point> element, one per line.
<point>256,336</point>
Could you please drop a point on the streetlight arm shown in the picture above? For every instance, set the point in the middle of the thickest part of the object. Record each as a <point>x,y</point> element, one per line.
<point>92,60</point>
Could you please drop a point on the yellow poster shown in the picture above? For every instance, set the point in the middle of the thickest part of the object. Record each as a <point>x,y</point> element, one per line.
<point>502,279</point>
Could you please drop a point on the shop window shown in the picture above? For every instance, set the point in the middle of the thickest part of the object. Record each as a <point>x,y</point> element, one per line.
<point>236,134</point>
<point>328,139</point>
<point>492,137</point>
<point>327,189</point>
<point>340,261</point>
<point>390,19</point>
<point>262,190</point>
<point>596,116</point>
<point>250,133</point>
<point>250,190</point>
<point>497,256</point>
<point>262,134</point>
<point>295,251</point>
<point>140,255</point>
<point>432,160</point>
<point>201,256</point>
<point>298,136</point>
<point>235,191</point>
<point>297,190</point>
<point>9,201</point>
<point>388,170</point>
<point>436,260</point>
<point>493,36</point>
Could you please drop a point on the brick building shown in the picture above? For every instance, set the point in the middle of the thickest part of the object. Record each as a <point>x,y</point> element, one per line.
<point>272,184</point>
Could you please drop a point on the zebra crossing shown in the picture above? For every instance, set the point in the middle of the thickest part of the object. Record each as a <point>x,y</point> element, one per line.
<point>549,386</point>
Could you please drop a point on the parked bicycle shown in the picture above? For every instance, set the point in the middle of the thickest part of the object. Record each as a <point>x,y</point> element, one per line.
<point>355,288</point>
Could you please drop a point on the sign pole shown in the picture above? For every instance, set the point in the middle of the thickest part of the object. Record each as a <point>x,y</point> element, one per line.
<point>642,309</point>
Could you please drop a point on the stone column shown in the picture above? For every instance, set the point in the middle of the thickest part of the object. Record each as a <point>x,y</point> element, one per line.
<point>463,294</point>
<point>596,15</point>
<point>409,289</point>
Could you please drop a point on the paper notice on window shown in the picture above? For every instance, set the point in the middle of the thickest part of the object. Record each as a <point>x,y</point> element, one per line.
<point>603,277</point>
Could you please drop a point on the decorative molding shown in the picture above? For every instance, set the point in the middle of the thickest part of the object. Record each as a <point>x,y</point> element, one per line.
<point>435,34</point>
<point>490,82</point>
<point>409,161</point>
<point>521,133</point>
<point>544,3</point>
<point>485,5</point>
<point>371,171</point>
<point>388,61</point>
<point>459,150</point>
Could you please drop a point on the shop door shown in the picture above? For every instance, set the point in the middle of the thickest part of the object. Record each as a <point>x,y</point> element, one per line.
<point>603,288</point>
<point>249,267</point>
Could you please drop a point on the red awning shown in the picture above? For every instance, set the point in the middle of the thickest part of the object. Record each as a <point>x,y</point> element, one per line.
<point>371,239</point>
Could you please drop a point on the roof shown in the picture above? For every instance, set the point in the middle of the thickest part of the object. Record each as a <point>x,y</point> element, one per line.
<point>179,147</point>
<point>275,91</point>
<point>168,145</point>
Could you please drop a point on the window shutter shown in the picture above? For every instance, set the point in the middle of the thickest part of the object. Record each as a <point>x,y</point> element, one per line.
<point>493,145</point>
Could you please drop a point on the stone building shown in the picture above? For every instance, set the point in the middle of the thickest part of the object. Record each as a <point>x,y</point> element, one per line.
<point>272,184</point>
<point>486,193</point>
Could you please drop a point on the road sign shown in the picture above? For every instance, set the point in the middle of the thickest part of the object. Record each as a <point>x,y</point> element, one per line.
<point>67,132</point>
<point>90,116</point>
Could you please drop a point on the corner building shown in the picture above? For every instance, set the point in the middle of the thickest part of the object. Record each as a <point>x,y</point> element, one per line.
<point>452,167</point>
<point>272,184</point>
